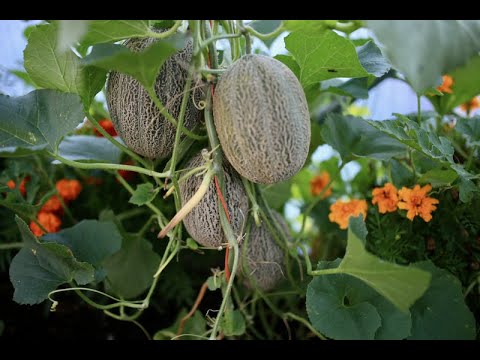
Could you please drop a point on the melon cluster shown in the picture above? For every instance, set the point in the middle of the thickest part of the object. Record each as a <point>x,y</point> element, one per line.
<point>263,125</point>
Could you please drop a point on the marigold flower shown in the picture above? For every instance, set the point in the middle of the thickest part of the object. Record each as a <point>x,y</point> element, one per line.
<point>447,84</point>
<point>68,189</point>
<point>386,198</point>
<point>126,174</point>
<point>471,105</point>
<point>318,184</point>
<point>416,202</point>
<point>53,205</point>
<point>11,184</point>
<point>49,221</point>
<point>340,211</point>
<point>107,125</point>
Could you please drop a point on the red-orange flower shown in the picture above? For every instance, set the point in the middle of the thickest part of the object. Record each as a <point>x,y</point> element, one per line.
<point>340,211</point>
<point>471,105</point>
<point>68,189</point>
<point>447,84</point>
<point>11,184</point>
<point>416,202</point>
<point>318,184</point>
<point>126,174</point>
<point>49,221</point>
<point>107,125</point>
<point>386,198</point>
<point>53,205</point>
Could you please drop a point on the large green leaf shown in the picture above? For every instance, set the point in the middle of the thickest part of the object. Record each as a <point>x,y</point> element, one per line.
<point>401,285</point>
<point>37,121</point>
<point>441,313</point>
<point>423,50</point>
<point>343,307</point>
<point>130,271</point>
<point>90,240</point>
<point>372,59</point>
<point>89,148</point>
<point>143,66</point>
<point>351,135</point>
<point>101,31</point>
<point>438,177</point>
<point>323,55</point>
<point>40,268</point>
<point>53,68</point>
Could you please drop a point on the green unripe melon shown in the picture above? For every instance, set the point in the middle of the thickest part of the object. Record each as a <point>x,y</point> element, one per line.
<point>262,119</point>
<point>262,258</point>
<point>134,115</point>
<point>203,222</point>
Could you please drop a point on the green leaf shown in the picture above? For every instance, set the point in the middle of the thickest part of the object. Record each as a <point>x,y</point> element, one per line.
<point>424,50</point>
<point>144,193</point>
<point>438,177</point>
<point>290,62</point>
<point>343,307</point>
<point>101,31</point>
<point>401,285</point>
<point>467,188</point>
<point>351,135</point>
<point>214,283</point>
<point>471,128</point>
<point>143,66</point>
<point>277,194</point>
<point>412,135</point>
<point>372,59</point>
<point>357,88</point>
<point>130,271</point>
<point>195,325</point>
<point>400,174</point>
<point>330,314</point>
<point>323,56</point>
<point>441,313</point>
<point>265,27</point>
<point>90,240</point>
<point>51,68</point>
<point>40,268</point>
<point>37,121</point>
<point>89,148</point>
<point>233,323</point>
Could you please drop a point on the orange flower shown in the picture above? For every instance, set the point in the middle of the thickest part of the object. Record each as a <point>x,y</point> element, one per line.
<point>126,174</point>
<point>49,221</point>
<point>11,184</point>
<point>447,84</point>
<point>53,205</point>
<point>68,189</point>
<point>107,125</point>
<point>318,183</point>
<point>340,211</point>
<point>386,198</point>
<point>471,105</point>
<point>417,202</point>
